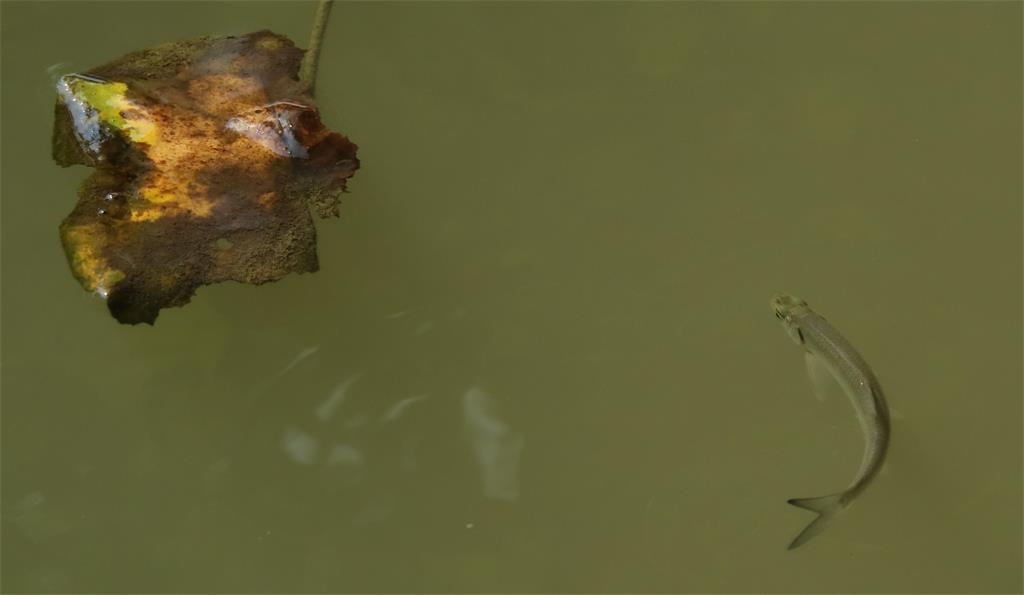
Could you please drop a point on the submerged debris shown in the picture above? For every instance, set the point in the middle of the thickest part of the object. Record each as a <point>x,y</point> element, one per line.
<point>208,154</point>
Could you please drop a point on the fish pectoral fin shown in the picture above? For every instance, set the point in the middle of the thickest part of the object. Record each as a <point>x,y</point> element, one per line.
<point>826,506</point>
<point>823,382</point>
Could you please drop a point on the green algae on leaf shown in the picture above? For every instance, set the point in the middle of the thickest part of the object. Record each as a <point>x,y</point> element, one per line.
<point>208,154</point>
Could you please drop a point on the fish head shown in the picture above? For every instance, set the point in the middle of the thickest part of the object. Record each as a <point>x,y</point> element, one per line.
<point>785,308</point>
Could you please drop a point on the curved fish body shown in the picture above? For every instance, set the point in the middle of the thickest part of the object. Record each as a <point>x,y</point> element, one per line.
<point>831,357</point>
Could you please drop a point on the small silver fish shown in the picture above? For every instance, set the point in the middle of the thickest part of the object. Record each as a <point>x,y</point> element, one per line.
<point>831,358</point>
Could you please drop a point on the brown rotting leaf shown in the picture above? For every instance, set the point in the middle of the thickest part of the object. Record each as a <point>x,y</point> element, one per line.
<point>208,155</point>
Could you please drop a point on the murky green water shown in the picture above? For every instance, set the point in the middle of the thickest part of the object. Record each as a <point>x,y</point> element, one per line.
<point>539,354</point>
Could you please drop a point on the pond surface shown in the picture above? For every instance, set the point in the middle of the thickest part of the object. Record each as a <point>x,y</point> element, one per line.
<point>539,353</point>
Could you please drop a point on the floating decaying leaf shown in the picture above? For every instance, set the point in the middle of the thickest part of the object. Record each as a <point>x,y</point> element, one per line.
<point>208,154</point>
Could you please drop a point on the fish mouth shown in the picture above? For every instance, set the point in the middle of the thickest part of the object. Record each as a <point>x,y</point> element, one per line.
<point>784,304</point>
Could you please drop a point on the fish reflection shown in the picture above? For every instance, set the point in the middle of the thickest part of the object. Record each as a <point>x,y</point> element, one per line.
<point>372,424</point>
<point>299,358</point>
<point>496,445</point>
<point>299,445</point>
<point>341,434</point>
<point>325,411</point>
<point>399,408</point>
<point>345,456</point>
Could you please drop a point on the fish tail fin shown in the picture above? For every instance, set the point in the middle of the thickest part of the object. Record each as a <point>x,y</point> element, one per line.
<point>825,506</point>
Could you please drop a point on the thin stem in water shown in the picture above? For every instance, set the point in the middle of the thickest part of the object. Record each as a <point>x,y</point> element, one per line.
<point>307,70</point>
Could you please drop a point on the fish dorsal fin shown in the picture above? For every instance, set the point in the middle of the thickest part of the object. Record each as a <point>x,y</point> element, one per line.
<point>823,383</point>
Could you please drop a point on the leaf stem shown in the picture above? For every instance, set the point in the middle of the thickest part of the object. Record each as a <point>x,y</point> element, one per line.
<point>307,70</point>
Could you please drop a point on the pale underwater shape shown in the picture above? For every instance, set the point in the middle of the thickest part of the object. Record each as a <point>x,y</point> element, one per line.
<point>497,446</point>
<point>300,445</point>
<point>326,409</point>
